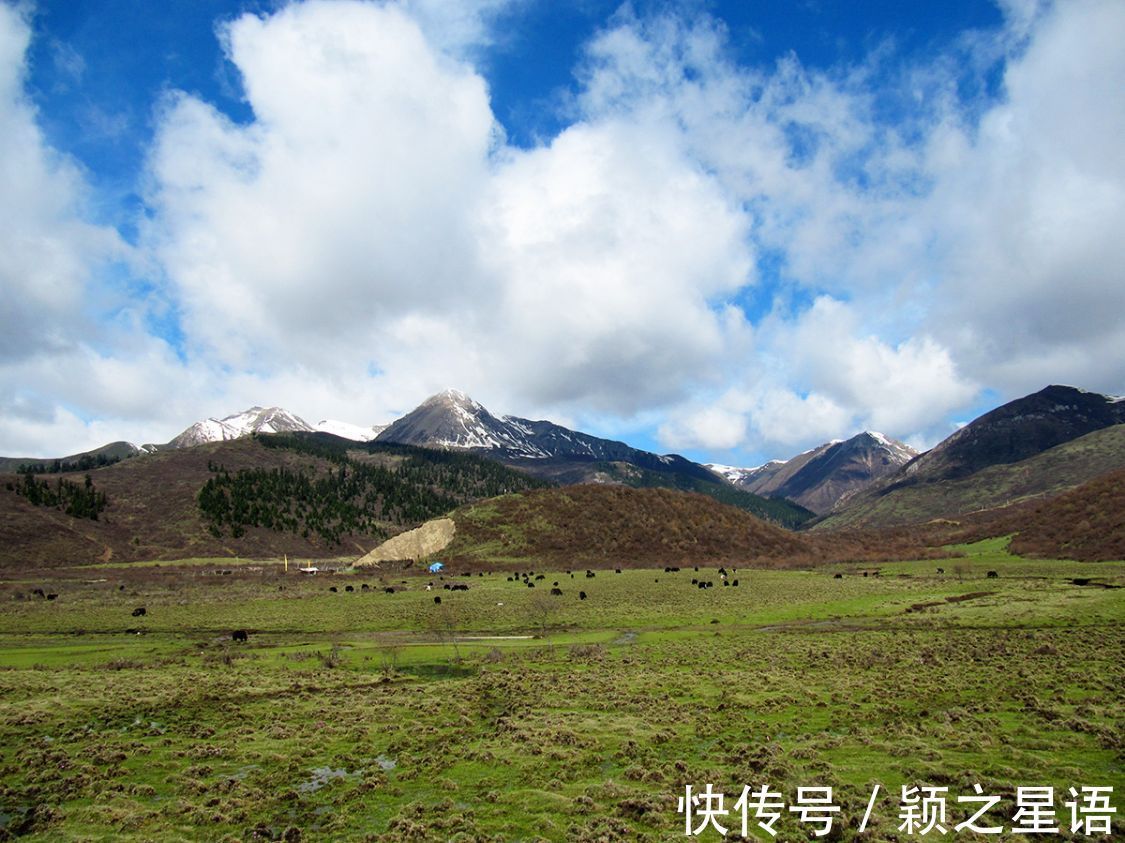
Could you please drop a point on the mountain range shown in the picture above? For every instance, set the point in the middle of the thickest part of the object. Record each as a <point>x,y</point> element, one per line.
<point>1005,463</point>
<point>263,420</point>
<point>453,420</point>
<point>1035,446</point>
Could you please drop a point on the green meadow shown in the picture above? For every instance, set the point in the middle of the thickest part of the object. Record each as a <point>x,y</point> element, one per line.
<point>507,714</point>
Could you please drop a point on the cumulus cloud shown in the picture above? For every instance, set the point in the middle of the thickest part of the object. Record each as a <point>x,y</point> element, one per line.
<point>824,379</point>
<point>46,246</point>
<point>968,244</point>
<point>340,205</point>
<point>371,211</point>
<point>610,247</point>
<point>78,367</point>
<point>1030,209</point>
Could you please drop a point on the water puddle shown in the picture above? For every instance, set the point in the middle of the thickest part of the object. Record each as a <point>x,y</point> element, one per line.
<point>321,776</point>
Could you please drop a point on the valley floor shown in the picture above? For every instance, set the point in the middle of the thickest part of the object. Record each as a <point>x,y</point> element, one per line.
<point>505,713</point>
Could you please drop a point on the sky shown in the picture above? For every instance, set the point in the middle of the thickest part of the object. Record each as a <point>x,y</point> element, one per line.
<point>730,230</point>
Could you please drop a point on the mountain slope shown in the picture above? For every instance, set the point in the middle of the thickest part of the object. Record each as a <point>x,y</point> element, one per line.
<point>823,478</point>
<point>1086,523</point>
<point>302,494</point>
<point>106,454</point>
<point>1048,473</point>
<point>1015,431</point>
<point>452,419</point>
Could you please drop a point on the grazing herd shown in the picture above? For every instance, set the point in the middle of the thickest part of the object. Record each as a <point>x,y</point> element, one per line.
<point>528,578</point>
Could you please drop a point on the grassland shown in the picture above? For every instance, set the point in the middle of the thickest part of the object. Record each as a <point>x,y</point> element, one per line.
<point>372,716</point>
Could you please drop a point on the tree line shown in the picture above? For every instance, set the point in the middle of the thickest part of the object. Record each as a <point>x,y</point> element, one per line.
<point>86,462</point>
<point>348,496</point>
<point>80,500</point>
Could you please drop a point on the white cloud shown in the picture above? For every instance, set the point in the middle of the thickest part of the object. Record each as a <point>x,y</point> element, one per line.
<point>463,28</point>
<point>46,247</point>
<point>54,276</point>
<point>821,378</point>
<point>969,253</point>
<point>341,205</point>
<point>1029,211</point>
<point>610,247</point>
<point>368,212</point>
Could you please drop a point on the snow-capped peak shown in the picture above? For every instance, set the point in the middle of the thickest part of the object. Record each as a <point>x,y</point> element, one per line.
<point>237,425</point>
<point>903,452</point>
<point>455,398</point>
<point>347,430</point>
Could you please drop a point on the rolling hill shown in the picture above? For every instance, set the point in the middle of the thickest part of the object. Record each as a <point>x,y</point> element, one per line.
<point>98,457</point>
<point>301,494</point>
<point>609,525</point>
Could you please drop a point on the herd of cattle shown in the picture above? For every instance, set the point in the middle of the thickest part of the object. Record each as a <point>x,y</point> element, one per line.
<point>527,578</point>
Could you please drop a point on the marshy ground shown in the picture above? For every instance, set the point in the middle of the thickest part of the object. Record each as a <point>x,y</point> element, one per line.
<point>505,713</point>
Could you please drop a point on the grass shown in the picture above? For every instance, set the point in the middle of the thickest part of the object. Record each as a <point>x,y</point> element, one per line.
<point>372,716</point>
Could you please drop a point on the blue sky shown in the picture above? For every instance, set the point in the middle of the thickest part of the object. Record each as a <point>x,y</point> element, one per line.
<point>731,230</point>
<point>98,68</point>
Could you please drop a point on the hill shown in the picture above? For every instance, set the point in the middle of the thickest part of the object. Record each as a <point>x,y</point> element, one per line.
<point>607,525</point>
<point>1086,523</point>
<point>1055,470</point>
<point>302,494</point>
<point>97,458</point>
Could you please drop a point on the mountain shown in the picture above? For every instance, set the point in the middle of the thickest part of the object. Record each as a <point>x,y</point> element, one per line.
<point>1034,447</point>
<point>254,420</point>
<point>267,420</point>
<point>1042,476</point>
<point>1017,430</point>
<point>452,419</point>
<point>825,477</point>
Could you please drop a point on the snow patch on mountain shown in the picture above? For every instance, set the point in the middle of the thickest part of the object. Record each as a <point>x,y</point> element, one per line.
<point>346,430</point>
<point>735,474</point>
<point>237,425</point>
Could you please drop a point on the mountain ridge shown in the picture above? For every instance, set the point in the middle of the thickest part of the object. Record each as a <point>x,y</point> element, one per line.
<point>451,419</point>
<point>823,478</point>
<point>1038,445</point>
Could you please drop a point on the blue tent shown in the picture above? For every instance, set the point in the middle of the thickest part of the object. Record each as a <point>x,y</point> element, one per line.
<point>437,566</point>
